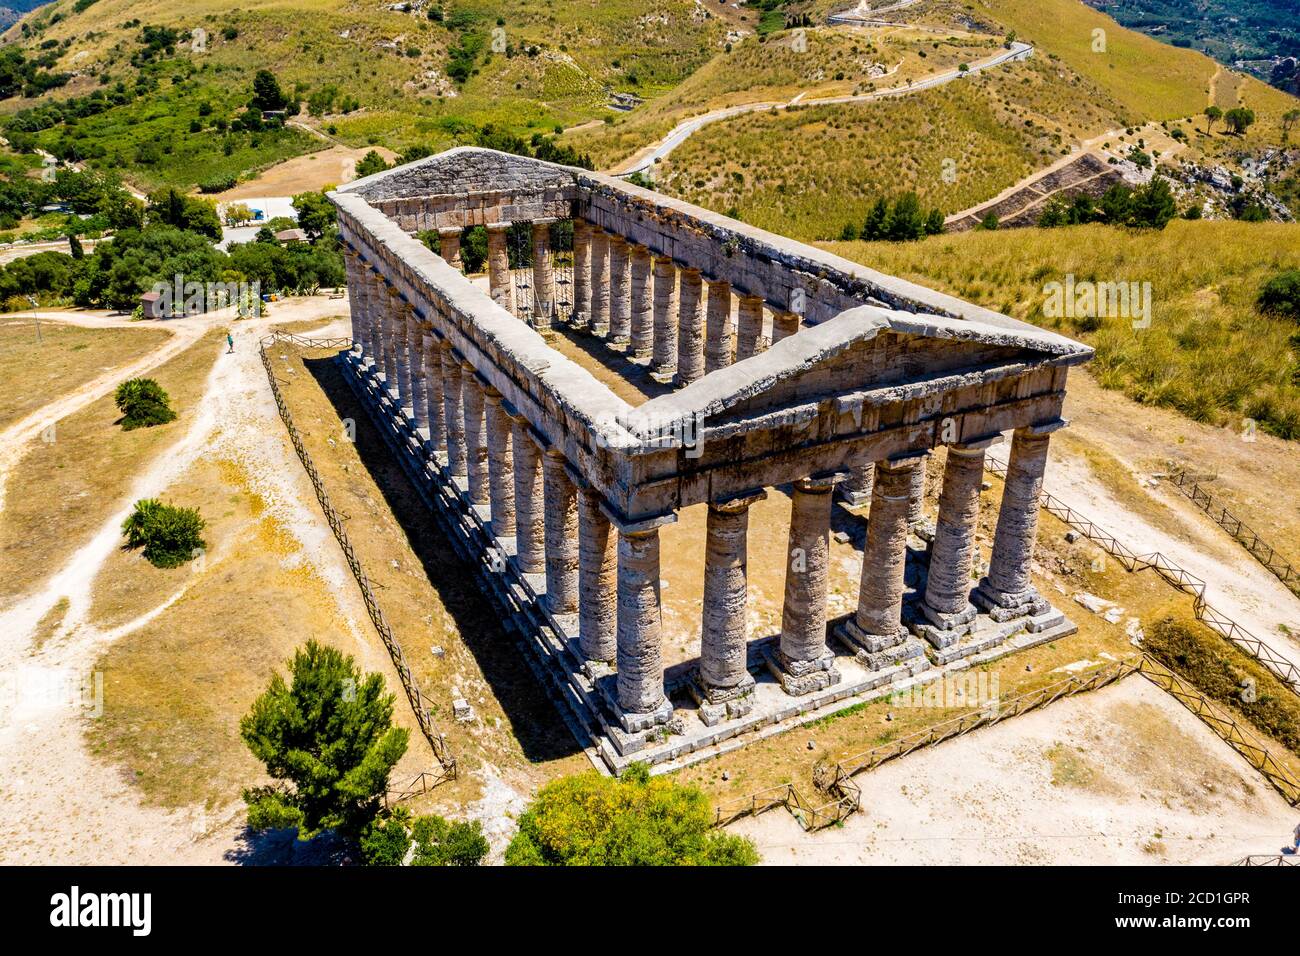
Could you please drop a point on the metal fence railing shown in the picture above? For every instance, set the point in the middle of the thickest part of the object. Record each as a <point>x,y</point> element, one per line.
<point>421,705</point>
<point>1259,549</point>
<point>1278,665</point>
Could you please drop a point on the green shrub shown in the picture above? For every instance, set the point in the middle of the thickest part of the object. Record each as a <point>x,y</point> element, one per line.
<point>438,842</point>
<point>636,821</point>
<point>143,403</point>
<point>1281,295</point>
<point>170,536</point>
<point>218,184</point>
<point>1226,675</point>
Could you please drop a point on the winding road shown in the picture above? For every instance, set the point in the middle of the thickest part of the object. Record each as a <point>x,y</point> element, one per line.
<point>687,128</point>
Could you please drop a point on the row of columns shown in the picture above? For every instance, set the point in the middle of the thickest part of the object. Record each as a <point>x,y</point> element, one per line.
<point>608,576</point>
<point>501,283</point>
<point>647,304</point>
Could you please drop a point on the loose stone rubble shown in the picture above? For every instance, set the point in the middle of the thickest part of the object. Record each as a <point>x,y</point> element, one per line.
<point>827,377</point>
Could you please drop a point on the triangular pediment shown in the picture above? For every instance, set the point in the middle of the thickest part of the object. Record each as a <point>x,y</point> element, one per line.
<point>463,171</point>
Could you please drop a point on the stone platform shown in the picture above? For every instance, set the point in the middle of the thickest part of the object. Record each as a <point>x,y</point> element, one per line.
<point>698,726</point>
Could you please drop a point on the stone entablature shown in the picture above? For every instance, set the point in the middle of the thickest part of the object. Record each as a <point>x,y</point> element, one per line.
<point>860,378</point>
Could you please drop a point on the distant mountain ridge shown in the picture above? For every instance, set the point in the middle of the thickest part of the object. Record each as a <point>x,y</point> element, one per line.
<point>14,10</point>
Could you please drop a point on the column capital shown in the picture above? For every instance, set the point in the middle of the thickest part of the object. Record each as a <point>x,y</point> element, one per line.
<point>1043,429</point>
<point>975,446</point>
<point>543,221</point>
<point>734,504</point>
<point>821,483</point>
<point>640,526</point>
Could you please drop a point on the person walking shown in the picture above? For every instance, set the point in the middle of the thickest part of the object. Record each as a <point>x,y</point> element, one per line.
<point>230,343</point>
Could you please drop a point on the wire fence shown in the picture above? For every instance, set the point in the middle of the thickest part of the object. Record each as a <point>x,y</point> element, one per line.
<point>562,270</point>
<point>1266,860</point>
<point>1181,579</point>
<point>421,705</point>
<point>1246,536</point>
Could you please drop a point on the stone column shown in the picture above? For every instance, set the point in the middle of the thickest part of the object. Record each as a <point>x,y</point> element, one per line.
<point>643,329</point>
<point>599,279</point>
<point>453,411</point>
<point>749,326</point>
<point>543,275</point>
<point>620,292</point>
<point>356,303</point>
<point>947,592</point>
<point>449,246</point>
<point>501,466</point>
<point>419,377</point>
<point>690,330</point>
<point>597,579</point>
<point>472,400</point>
<point>378,297</point>
<point>664,359</point>
<point>394,339</point>
<point>857,490</point>
<point>804,663</point>
<point>724,633</point>
<point>640,681</point>
<point>433,394</point>
<point>1007,590</point>
<point>719,339</point>
<point>784,325</point>
<point>561,535</point>
<point>877,626</point>
<point>500,282</point>
<point>530,523</point>
<point>410,373</point>
<point>916,501</point>
<point>581,310</point>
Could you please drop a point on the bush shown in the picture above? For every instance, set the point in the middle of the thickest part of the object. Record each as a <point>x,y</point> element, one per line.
<point>633,821</point>
<point>217,184</point>
<point>1281,295</point>
<point>170,536</point>
<point>330,734</point>
<point>143,404</point>
<point>438,842</point>
<point>1226,675</point>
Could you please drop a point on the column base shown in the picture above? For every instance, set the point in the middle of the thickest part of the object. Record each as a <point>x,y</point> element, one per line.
<point>943,629</point>
<point>877,651</point>
<point>599,331</point>
<point>854,499</point>
<point>802,677</point>
<point>618,343</point>
<point>1002,606</point>
<point>717,704</point>
<point>636,722</point>
<point>665,375</point>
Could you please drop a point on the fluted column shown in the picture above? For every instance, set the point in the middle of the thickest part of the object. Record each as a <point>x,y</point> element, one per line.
<point>664,357</point>
<point>449,246</point>
<point>916,501</point>
<point>357,310</point>
<point>857,489</point>
<point>805,664</point>
<point>501,283</point>
<point>561,534</point>
<point>1007,586</point>
<point>581,273</point>
<point>378,297</point>
<point>719,339</point>
<point>471,390</point>
<point>530,512</point>
<point>394,341</point>
<point>419,377</point>
<point>749,326</point>
<point>437,422</point>
<point>947,593</point>
<point>597,579</point>
<point>620,292</point>
<point>724,634</point>
<point>599,311</point>
<point>640,681</point>
<point>409,371</point>
<point>784,325</point>
<point>501,465</point>
<point>543,275</point>
<point>690,328</point>
<point>453,411</point>
<point>643,329</point>
<point>877,625</point>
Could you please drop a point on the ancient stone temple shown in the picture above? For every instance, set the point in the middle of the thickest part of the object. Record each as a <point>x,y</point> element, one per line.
<point>785,370</point>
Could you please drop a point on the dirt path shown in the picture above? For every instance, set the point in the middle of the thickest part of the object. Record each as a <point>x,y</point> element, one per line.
<point>1086,781</point>
<point>90,813</point>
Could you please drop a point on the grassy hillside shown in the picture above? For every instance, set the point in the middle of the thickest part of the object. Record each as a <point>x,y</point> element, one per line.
<point>1207,353</point>
<point>809,170</point>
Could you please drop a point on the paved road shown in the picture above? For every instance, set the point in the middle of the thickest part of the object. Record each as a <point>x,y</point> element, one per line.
<point>687,128</point>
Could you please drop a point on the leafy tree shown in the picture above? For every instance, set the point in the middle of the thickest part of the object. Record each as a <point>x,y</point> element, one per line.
<point>907,222</point>
<point>1117,204</point>
<point>1239,119</point>
<point>1281,295</point>
<point>1153,205</point>
<point>329,734</point>
<point>169,536</point>
<point>143,403</point>
<point>267,94</point>
<point>437,842</point>
<point>173,208</point>
<point>315,213</point>
<point>989,222</point>
<point>370,164</point>
<point>877,221</point>
<point>634,821</point>
<point>1212,115</point>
